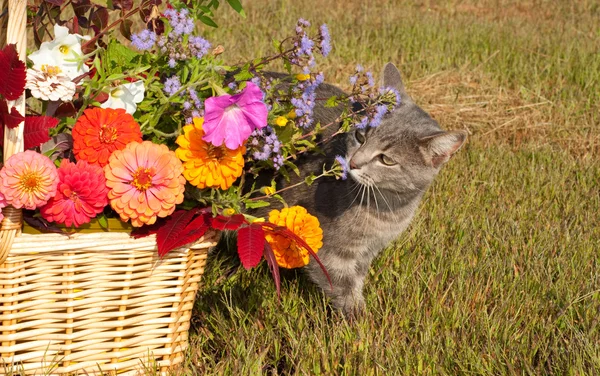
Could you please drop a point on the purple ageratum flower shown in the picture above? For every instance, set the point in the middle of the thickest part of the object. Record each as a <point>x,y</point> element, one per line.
<point>230,119</point>
<point>325,40</point>
<point>395,92</point>
<point>144,40</point>
<point>172,85</point>
<point>180,22</point>
<point>306,46</point>
<point>198,46</point>
<point>344,164</point>
<point>380,111</point>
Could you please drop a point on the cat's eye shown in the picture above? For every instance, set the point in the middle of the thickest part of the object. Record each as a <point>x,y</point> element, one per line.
<point>386,160</point>
<point>359,137</point>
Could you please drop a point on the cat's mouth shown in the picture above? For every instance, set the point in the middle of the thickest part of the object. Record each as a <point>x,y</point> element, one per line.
<point>360,178</point>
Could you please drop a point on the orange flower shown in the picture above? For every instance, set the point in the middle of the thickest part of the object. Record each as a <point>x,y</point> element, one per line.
<point>206,165</point>
<point>287,253</point>
<point>144,182</point>
<point>100,131</point>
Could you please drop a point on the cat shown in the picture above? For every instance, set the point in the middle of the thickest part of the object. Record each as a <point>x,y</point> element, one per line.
<point>390,168</point>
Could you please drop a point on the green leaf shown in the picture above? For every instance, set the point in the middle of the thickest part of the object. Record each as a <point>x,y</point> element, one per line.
<point>310,179</point>
<point>332,102</point>
<point>256,204</point>
<point>103,221</point>
<point>207,21</point>
<point>293,167</point>
<point>120,55</point>
<point>244,75</point>
<point>237,6</point>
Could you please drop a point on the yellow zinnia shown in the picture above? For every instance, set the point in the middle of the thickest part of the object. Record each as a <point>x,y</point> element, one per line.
<point>206,165</point>
<point>287,253</point>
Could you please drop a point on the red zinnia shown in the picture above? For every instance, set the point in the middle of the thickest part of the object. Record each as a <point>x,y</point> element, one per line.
<point>80,196</point>
<point>100,131</point>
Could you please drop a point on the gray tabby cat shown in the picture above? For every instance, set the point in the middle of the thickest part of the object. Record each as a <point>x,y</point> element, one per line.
<point>391,167</point>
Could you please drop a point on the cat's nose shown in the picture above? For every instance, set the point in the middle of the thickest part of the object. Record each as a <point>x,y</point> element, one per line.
<point>353,165</point>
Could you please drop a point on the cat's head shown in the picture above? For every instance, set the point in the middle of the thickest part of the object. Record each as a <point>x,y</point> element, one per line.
<point>406,151</point>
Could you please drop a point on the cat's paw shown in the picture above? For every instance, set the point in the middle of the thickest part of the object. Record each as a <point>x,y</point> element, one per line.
<point>351,306</point>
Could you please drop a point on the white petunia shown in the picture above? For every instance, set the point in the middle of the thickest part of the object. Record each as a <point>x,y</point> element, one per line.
<point>126,96</point>
<point>64,52</point>
<point>50,84</point>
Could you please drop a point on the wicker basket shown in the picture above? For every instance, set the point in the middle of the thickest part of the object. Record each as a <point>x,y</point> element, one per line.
<point>100,303</point>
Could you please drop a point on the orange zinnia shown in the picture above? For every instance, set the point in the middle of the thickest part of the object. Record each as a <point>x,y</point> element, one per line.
<point>287,253</point>
<point>206,165</point>
<point>100,131</point>
<point>144,182</point>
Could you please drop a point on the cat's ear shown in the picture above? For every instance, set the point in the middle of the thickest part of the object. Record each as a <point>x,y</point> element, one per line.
<point>438,148</point>
<point>391,78</point>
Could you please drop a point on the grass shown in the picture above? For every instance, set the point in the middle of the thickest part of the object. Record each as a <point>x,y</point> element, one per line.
<point>498,273</point>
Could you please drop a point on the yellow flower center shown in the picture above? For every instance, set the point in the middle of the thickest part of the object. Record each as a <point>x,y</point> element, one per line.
<point>51,70</point>
<point>107,134</point>
<point>116,93</point>
<point>142,178</point>
<point>64,49</point>
<point>30,182</point>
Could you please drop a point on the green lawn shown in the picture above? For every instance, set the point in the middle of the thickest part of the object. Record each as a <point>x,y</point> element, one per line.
<point>498,273</point>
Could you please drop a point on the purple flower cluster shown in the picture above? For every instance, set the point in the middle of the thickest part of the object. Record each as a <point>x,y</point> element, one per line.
<point>362,81</point>
<point>172,85</point>
<point>391,94</point>
<point>344,165</point>
<point>198,46</point>
<point>304,97</point>
<point>193,107</point>
<point>264,145</point>
<point>144,40</point>
<point>180,22</point>
<point>304,46</point>
<point>325,40</point>
<point>172,44</point>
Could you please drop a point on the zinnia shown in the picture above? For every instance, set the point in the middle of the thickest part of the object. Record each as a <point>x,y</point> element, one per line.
<point>28,180</point>
<point>101,131</point>
<point>2,205</point>
<point>230,119</point>
<point>287,253</point>
<point>144,182</point>
<point>204,164</point>
<point>81,194</point>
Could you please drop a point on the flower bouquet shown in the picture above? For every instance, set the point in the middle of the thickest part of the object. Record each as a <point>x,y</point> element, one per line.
<point>147,126</point>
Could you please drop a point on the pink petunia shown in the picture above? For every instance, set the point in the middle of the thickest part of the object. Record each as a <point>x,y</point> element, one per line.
<point>81,194</point>
<point>230,119</point>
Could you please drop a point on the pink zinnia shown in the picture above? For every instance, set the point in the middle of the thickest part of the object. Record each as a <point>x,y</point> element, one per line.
<point>2,205</point>
<point>81,194</point>
<point>144,181</point>
<point>28,180</point>
<point>230,119</point>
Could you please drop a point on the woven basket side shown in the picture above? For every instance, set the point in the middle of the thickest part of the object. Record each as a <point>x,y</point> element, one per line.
<point>86,309</point>
<point>13,138</point>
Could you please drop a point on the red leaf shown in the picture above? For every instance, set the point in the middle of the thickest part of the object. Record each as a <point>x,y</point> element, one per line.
<point>273,266</point>
<point>10,119</point>
<point>192,232</point>
<point>250,245</point>
<point>280,230</point>
<point>36,128</point>
<point>221,222</point>
<point>172,230</point>
<point>12,73</point>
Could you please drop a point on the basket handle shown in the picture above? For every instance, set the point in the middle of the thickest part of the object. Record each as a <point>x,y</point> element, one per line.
<point>16,32</point>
